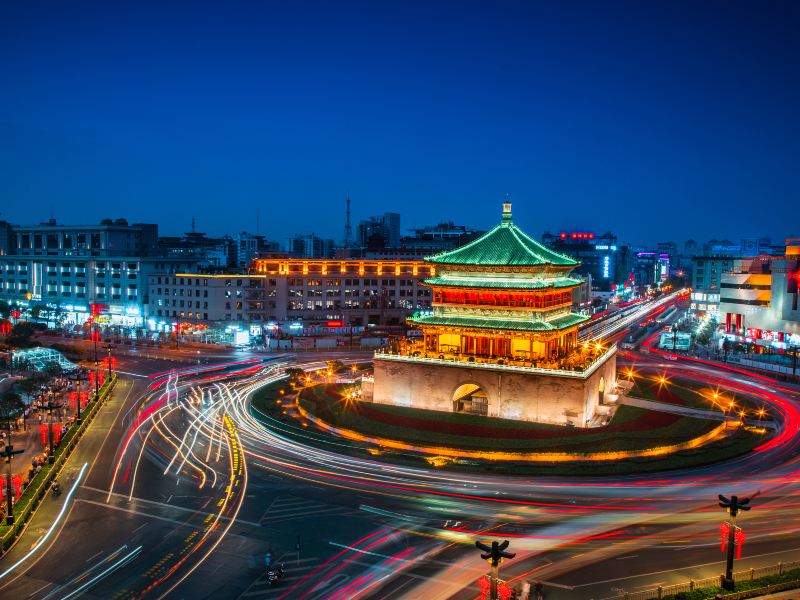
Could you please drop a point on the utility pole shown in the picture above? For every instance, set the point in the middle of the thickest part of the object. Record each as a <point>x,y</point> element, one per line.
<point>8,454</point>
<point>495,555</point>
<point>729,529</point>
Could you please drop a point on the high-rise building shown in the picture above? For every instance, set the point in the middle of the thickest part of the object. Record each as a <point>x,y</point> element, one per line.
<point>379,232</point>
<point>600,256</point>
<point>310,246</point>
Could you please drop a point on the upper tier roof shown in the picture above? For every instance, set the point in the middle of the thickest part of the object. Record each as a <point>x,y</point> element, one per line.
<point>505,245</point>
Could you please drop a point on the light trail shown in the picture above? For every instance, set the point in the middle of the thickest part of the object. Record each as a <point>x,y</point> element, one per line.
<point>52,527</point>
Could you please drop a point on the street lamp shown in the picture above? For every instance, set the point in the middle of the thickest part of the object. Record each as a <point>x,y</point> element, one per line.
<point>8,454</point>
<point>733,505</point>
<point>50,407</point>
<point>109,360</point>
<point>77,377</point>
<point>495,555</point>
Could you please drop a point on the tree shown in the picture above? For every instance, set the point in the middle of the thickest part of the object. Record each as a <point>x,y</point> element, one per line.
<point>295,373</point>
<point>21,334</point>
<point>11,406</point>
<point>336,366</point>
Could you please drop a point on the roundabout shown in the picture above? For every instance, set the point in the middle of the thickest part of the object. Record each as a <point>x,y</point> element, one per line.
<point>600,517</point>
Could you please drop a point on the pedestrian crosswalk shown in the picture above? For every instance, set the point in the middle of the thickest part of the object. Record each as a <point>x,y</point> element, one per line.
<point>290,508</point>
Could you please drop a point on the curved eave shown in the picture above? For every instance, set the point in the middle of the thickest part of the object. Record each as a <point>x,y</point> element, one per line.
<point>505,245</point>
<point>558,324</point>
<point>488,284</point>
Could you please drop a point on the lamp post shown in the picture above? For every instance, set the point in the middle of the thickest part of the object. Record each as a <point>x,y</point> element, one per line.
<point>50,407</point>
<point>109,360</point>
<point>8,454</point>
<point>733,505</point>
<point>95,336</point>
<point>495,555</point>
<point>77,378</point>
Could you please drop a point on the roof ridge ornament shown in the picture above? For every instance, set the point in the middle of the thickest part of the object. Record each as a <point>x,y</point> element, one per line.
<point>507,209</point>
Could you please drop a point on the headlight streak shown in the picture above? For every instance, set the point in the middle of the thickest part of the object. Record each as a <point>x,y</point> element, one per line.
<point>642,497</point>
<point>52,527</point>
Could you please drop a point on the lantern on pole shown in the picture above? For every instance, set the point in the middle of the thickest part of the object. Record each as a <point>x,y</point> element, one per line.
<point>43,432</point>
<point>739,539</point>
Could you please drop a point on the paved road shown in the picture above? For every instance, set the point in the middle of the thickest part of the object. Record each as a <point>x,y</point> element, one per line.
<point>349,526</point>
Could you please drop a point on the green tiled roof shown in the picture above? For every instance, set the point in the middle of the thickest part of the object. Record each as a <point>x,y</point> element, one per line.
<point>505,245</point>
<point>509,324</point>
<point>515,284</point>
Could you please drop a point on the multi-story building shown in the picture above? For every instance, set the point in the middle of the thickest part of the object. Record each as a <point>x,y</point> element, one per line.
<point>601,258</point>
<point>336,294</point>
<point>379,232</point>
<point>759,298</point>
<point>66,269</point>
<point>706,278</point>
<point>436,238</point>
<point>310,246</point>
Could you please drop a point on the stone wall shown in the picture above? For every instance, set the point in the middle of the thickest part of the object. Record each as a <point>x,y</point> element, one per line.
<point>533,396</point>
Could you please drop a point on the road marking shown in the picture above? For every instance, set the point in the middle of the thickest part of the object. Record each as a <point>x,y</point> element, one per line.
<point>627,557</point>
<point>45,586</point>
<point>93,556</point>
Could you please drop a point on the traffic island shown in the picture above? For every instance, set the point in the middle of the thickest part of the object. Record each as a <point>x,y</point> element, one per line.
<point>636,440</point>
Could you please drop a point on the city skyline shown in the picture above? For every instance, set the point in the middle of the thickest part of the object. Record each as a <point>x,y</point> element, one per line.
<point>620,118</point>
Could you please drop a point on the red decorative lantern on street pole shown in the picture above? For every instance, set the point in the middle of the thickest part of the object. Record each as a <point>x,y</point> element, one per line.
<point>739,539</point>
<point>43,432</point>
<point>16,481</point>
<point>485,586</point>
<point>56,432</point>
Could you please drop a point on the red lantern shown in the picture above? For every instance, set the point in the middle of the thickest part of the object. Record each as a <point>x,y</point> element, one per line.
<point>56,432</point>
<point>725,530</point>
<point>16,481</point>
<point>739,539</point>
<point>504,591</point>
<point>43,432</point>
<point>73,396</point>
<point>84,399</point>
<point>485,586</point>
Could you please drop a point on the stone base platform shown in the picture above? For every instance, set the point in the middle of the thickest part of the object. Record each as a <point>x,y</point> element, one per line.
<point>528,394</point>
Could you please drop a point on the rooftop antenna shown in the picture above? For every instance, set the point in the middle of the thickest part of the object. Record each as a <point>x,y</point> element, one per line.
<point>348,229</point>
<point>258,220</point>
<point>192,224</point>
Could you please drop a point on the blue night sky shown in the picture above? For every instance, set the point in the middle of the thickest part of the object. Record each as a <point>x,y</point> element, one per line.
<point>656,120</point>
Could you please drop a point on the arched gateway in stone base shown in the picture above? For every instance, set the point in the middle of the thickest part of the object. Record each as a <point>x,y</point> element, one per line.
<point>501,339</point>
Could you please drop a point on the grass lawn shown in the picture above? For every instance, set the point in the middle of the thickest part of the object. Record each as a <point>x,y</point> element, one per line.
<point>631,429</point>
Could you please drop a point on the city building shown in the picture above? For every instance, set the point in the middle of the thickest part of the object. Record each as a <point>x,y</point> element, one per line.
<point>437,238</point>
<point>64,270</point>
<point>759,299</point>
<point>649,270</point>
<point>249,246</point>
<point>601,258</point>
<point>706,278</point>
<point>379,232</point>
<point>301,295</point>
<point>310,246</point>
<point>500,339</point>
